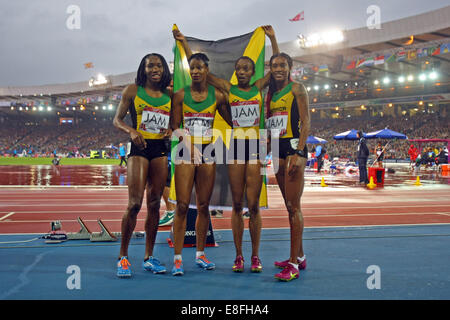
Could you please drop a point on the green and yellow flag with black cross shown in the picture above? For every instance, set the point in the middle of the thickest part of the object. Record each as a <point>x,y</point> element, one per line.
<point>222,56</point>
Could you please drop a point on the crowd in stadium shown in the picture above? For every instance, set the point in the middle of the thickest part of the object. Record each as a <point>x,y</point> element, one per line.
<point>421,126</point>
<point>19,137</point>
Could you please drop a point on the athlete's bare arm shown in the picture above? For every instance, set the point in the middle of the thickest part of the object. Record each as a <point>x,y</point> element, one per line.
<point>301,95</point>
<point>177,110</point>
<point>180,37</point>
<point>223,107</point>
<point>264,82</point>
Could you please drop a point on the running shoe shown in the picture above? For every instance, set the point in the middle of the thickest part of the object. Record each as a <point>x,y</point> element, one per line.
<point>154,265</point>
<point>256,264</point>
<point>238,264</point>
<point>123,268</point>
<point>283,264</point>
<point>177,269</point>
<point>204,263</point>
<point>167,218</point>
<point>287,274</point>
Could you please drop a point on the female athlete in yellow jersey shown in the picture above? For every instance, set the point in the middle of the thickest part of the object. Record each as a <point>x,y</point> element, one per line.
<point>244,168</point>
<point>149,104</point>
<point>194,108</point>
<point>289,122</point>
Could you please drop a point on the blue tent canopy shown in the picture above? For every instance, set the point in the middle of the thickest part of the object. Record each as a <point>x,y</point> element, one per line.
<point>347,135</point>
<point>385,134</point>
<point>315,140</point>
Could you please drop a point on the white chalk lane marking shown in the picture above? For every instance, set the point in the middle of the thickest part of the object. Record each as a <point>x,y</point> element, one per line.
<point>6,216</point>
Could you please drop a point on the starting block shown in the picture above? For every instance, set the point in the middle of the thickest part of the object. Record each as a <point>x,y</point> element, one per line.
<point>83,234</point>
<point>104,235</point>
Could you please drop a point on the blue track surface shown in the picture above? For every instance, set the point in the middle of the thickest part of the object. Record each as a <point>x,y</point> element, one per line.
<point>411,260</point>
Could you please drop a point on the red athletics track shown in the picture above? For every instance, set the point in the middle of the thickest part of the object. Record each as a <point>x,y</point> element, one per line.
<point>30,210</point>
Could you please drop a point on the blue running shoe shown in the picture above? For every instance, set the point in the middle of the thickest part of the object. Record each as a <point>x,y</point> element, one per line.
<point>154,265</point>
<point>177,269</point>
<point>123,268</point>
<point>204,263</point>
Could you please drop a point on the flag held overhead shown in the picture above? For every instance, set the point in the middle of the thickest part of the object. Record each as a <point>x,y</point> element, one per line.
<point>223,55</point>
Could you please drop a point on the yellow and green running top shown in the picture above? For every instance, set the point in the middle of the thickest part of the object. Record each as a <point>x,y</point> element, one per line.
<point>246,110</point>
<point>198,117</point>
<point>150,116</point>
<point>284,119</point>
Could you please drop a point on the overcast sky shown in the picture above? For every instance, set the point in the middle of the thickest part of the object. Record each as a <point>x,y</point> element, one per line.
<point>38,48</point>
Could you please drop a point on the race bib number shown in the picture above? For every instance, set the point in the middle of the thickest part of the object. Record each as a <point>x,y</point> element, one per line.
<point>154,120</point>
<point>277,124</point>
<point>199,124</point>
<point>245,113</point>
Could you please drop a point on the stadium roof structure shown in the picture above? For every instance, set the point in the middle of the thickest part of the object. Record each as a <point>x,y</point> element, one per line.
<point>410,36</point>
<point>406,46</point>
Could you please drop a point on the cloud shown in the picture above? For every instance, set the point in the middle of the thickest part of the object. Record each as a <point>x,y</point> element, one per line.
<point>37,47</point>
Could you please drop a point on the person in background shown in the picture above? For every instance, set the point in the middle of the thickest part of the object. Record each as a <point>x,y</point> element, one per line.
<point>56,161</point>
<point>167,218</point>
<point>320,153</point>
<point>362,155</point>
<point>123,154</point>
<point>413,153</point>
<point>379,154</point>
<point>442,156</point>
<point>169,213</point>
<point>430,155</point>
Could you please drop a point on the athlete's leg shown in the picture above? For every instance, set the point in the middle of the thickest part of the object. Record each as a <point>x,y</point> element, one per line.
<point>280,176</point>
<point>166,194</point>
<point>184,181</point>
<point>236,175</point>
<point>204,185</point>
<point>156,184</point>
<point>137,171</point>
<point>293,188</point>
<point>253,184</point>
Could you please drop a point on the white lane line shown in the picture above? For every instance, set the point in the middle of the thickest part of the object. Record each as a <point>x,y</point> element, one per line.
<point>273,208</point>
<point>263,217</point>
<point>6,216</point>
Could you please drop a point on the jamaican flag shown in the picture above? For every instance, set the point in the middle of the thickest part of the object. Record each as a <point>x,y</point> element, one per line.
<point>222,55</point>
